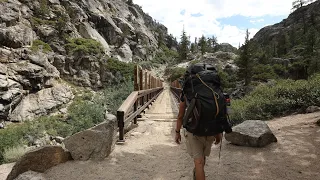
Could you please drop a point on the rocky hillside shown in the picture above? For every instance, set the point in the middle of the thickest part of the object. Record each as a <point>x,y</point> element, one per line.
<point>293,43</point>
<point>295,27</point>
<point>44,41</point>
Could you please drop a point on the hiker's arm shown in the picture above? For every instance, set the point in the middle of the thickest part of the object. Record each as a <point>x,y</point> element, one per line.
<point>182,108</point>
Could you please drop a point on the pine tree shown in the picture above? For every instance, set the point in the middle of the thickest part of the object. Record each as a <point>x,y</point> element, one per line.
<point>214,43</point>
<point>183,46</point>
<point>245,62</point>
<point>203,45</point>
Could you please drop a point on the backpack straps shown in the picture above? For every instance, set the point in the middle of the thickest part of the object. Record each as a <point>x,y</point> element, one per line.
<point>215,95</point>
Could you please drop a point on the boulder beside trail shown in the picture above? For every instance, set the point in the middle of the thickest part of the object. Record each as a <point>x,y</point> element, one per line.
<point>39,160</point>
<point>312,109</point>
<point>95,143</point>
<point>252,133</point>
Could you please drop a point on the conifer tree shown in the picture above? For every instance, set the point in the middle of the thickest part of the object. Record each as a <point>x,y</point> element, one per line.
<point>245,62</point>
<point>183,46</point>
<point>203,45</point>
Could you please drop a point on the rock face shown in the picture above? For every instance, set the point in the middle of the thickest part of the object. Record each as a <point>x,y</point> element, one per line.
<point>124,31</point>
<point>42,102</point>
<point>39,160</point>
<point>251,133</point>
<point>95,143</point>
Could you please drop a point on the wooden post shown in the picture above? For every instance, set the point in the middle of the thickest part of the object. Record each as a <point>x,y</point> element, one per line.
<point>149,86</point>
<point>120,117</point>
<point>135,108</point>
<point>141,85</point>
<point>136,85</point>
<point>146,84</point>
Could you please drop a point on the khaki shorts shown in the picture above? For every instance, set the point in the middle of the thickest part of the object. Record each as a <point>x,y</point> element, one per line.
<point>198,146</point>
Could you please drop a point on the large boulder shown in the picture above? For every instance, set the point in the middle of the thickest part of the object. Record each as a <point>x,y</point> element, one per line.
<point>41,103</point>
<point>95,143</point>
<point>252,133</point>
<point>125,53</point>
<point>39,160</point>
<point>17,36</point>
<point>312,109</point>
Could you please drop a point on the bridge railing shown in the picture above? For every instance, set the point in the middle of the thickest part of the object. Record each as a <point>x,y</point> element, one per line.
<point>176,89</point>
<point>146,89</point>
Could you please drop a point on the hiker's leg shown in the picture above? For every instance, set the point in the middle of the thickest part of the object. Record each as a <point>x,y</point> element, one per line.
<point>199,166</point>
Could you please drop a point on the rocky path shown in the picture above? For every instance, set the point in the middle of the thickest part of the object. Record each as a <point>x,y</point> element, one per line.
<point>151,154</point>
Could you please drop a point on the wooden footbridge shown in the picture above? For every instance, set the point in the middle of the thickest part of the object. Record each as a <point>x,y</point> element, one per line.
<point>146,90</point>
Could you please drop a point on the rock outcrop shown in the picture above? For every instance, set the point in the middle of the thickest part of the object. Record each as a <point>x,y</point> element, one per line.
<point>39,160</point>
<point>41,103</point>
<point>251,133</point>
<point>95,143</point>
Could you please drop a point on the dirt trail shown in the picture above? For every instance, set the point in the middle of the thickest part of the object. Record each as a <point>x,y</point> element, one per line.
<point>151,154</point>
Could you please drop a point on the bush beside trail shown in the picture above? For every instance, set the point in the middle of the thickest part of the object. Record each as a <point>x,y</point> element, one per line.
<point>279,99</point>
<point>86,110</point>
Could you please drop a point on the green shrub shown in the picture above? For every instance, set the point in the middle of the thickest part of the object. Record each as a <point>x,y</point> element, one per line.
<point>84,46</point>
<point>263,73</point>
<point>44,9</point>
<point>227,80</point>
<point>38,21</point>
<point>282,98</point>
<point>10,137</point>
<point>165,55</point>
<point>114,96</point>
<point>13,154</point>
<point>125,69</point>
<point>194,62</point>
<point>174,73</point>
<point>38,44</point>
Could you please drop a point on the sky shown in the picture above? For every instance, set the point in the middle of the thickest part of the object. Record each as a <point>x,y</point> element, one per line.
<point>225,19</point>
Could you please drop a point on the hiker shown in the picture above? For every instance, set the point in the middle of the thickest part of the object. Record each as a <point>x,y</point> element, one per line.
<point>202,113</point>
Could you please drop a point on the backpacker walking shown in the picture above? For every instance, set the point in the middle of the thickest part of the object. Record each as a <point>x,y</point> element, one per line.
<point>203,114</point>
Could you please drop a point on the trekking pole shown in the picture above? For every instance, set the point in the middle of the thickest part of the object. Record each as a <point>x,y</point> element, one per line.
<point>220,149</point>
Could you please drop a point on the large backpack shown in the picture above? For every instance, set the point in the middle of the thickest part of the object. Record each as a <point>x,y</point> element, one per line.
<point>206,113</point>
